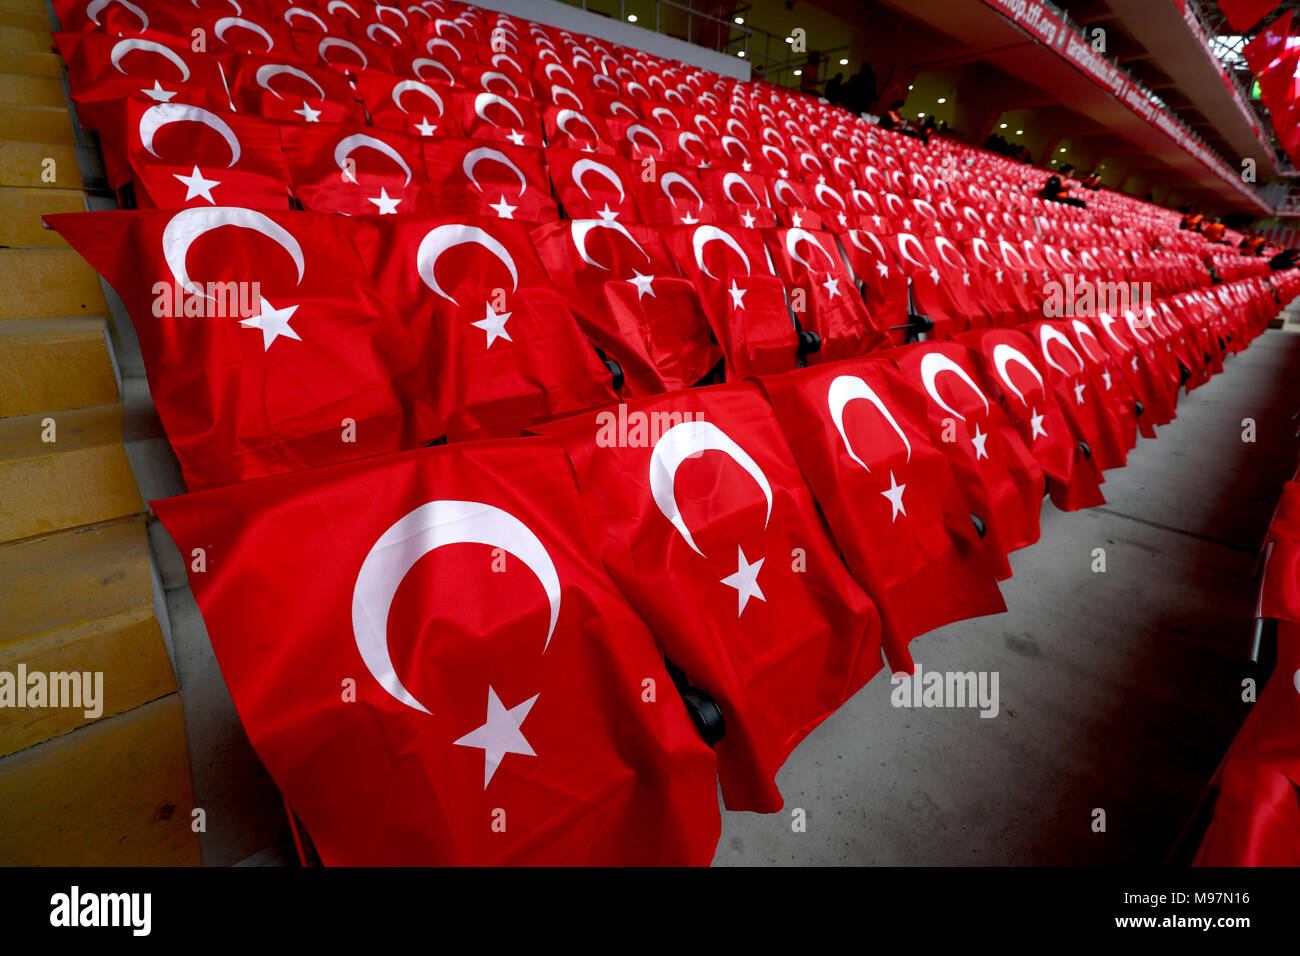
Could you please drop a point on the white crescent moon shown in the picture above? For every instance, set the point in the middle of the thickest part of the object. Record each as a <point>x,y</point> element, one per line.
<point>225,23</point>
<point>943,244</point>
<point>579,228</point>
<point>427,528</point>
<point>769,131</point>
<point>233,3</point>
<point>370,33</point>
<point>727,140</point>
<point>380,8</point>
<point>879,251</point>
<point>122,47</point>
<point>903,237</point>
<point>685,441</point>
<point>1081,329</point>
<point>476,156</point>
<point>803,160</point>
<point>439,41</point>
<point>556,66</point>
<point>156,117</point>
<point>701,120</point>
<point>558,91</point>
<point>189,224</point>
<point>440,239</point>
<point>846,388</point>
<point>407,86</point>
<point>1136,327</point>
<point>347,144</point>
<point>674,177</point>
<point>823,188</point>
<point>265,74</point>
<point>484,100</point>
<point>781,162</point>
<point>300,12</point>
<point>420,62</point>
<point>792,238</point>
<point>706,234</point>
<point>1107,320</point>
<point>1048,334</point>
<point>729,180</point>
<point>686,134</point>
<point>983,251</point>
<point>636,128</point>
<point>489,75</point>
<point>734,126</point>
<point>335,4</point>
<point>583,166</point>
<point>654,114</point>
<point>330,42</point>
<point>932,364</point>
<point>95,7</point>
<point>563,117</point>
<point>600,79</point>
<point>1005,247</point>
<point>858,195</point>
<point>776,191</point>
<point>1004,354</point>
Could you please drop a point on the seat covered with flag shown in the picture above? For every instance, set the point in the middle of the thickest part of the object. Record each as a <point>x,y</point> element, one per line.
<point>697,495</point>
<point>465,685</point>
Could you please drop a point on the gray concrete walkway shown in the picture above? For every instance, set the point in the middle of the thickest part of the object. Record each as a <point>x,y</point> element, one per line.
<point>1119,691</point>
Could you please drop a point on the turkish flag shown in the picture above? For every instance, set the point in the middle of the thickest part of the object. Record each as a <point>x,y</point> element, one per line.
<point>1010,366</point>
<point>747,310</point>
<point>670,195</point>
<point>501,119</point>
<point>465,685</point>
<point>823,295</point>
<point>631,301</point>
<point>697,496</point>
<point>1257,816</point>
<point>266,349</point>
<point>738,199</point>
<point>1112,386</point>
<point>470,177</point>
<point>884,284</point>
<point>889,497</point>
<point>290,91</point>
<point>1244,14</point>
<point>998,475</point>
<point>104,67</point>
<point>591,187</point>
<point>497,338</point>
<point>142,19</point>
<point>356,170</point>
<point>407,105</point>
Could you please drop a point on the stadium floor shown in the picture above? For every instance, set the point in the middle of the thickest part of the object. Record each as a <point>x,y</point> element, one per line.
<point>1118,690</point>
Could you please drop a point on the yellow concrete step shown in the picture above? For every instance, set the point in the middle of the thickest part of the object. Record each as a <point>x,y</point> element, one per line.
<point>30,63</point>
<point>54,365</point>
<point>114,793</point>
<point>33,39</point>
<point>44,283</point>
<point>21,210</point>
<point>27,19</point>
<point>80,602</point>
<point>39,165</point>
<point>19,90</point>
<point>37,124</point>
<point>82,477</point>
<point>28,6</point>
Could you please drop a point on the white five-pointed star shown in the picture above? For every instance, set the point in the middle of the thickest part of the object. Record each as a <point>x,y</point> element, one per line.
<point>273,323</point>
<point>494,325</point>
<point>516,137</point>
<point>500,734</point>
<point>882,268</point>
<point>609,215</point>
<point>746,165</point>
<point>308,114</point>
<point>158,93</point>
<point>796,220</point>
<point>737,295</point>
<point>978,440</point>
<point>386,203</point>
<point>1078,394</point>
<point>965,276</point>
<point>196,185</point>
<point>1036,422</point>
<point>895,496</point>
<point>748,219</point>
<point>503,209</point>
<point>832,286</point>
<point>425,127</point>
<point>843,219</point>
<point>934,274</point>
<point>1105,377</point>
<point>642,284</point>
<point>1135,363</point>
<point>745,581</point>
<point>999,275</point>
<point>688,219</point>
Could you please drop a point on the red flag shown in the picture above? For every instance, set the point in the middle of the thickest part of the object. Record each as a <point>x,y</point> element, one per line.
<point>631,301</point>
<point>470,177</point>
<point>465,685</point>
<point>1244,14</point>
<point>889,497</point>
<point>290,91</point>
<point>884,284</point>
<point>697,496</point>
<point>407,105</point>
<point>357,170</point>
<point>503,349</point>
<point>265,348</point>
<point>591,187</point>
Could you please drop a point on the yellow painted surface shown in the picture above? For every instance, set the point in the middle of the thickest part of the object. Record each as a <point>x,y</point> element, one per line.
<point>30,64</point>
<point>40,283</point>
<point>80,600</point>
<point>28,6</point>
<point>114,793</point>
<point>25,38</point>
<point>21,210</point>
<point>19,90</point>
<point>32,19</point>
<point>24,164</point>
<point>54,365</point>
<point>36,124</point>
<point>81,478</point>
